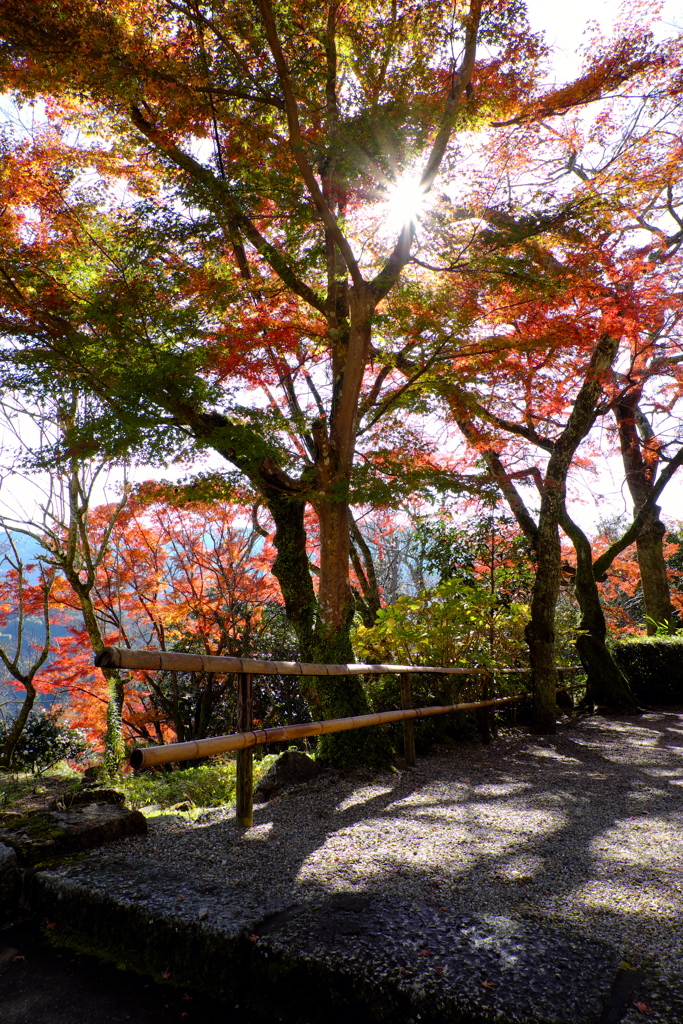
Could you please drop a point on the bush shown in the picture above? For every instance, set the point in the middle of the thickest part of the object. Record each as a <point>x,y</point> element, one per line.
<point>44,742</point>
<point>452,624</point>
<point>205,785</point>
<point>653,666</point>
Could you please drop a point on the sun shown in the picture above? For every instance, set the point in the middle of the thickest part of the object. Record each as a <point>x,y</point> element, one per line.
<point>406,200</point>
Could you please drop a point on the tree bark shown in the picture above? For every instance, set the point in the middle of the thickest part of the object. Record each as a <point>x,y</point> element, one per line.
<point>606,685</point>
<point>640,456</point>
<point>653,575</point>
<point>18,725</point>
<point>291,566</point>
<point>540,630</point>
<point>114,746</point>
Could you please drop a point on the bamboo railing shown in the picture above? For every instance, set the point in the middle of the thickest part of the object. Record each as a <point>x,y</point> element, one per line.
<point>246,738</point>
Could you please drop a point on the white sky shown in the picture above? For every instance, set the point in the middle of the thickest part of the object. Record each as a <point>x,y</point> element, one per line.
<point>565,25</point>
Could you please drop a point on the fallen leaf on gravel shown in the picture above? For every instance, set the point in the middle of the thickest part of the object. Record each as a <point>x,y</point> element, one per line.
<point>643,1007</point>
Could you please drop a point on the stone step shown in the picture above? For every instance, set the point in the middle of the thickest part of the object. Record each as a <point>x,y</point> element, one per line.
<point>349,955</point>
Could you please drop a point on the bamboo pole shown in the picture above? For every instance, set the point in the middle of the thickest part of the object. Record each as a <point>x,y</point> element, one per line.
<point>408,723</point>
<point>144,757</point>
<point>170,661</point>
<point>244,804</point>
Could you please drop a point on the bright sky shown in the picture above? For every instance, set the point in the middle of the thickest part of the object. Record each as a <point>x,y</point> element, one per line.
<point>565,25</point>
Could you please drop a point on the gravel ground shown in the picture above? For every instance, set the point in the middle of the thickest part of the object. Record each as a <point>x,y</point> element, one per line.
<point>580,831</point>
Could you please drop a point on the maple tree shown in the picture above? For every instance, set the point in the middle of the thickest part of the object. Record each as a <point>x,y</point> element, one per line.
<point>21,597</point>
<point>182,575</point>
<point>316,110</point>
<point>621,587</point>
<point>196,226</point>
<point>73,556</point>
<point>573,294</point>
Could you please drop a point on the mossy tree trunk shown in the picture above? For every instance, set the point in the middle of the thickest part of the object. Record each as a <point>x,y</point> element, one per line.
<point>543,536</point>
<point>640,452</point>
<point>606,685</point>
<point>320,642</point>
<point>540,630</point>
<point>15,732</point>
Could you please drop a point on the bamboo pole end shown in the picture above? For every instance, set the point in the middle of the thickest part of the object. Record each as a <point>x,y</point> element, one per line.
<point>108,657</point>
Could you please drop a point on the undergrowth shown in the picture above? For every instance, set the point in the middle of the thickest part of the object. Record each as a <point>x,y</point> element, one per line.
<point>206,785</point>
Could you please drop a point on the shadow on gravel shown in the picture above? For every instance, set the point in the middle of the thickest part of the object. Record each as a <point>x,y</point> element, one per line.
<point>576,837</point>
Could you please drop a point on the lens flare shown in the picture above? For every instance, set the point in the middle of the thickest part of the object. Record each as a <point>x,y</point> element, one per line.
<point>406,200</point>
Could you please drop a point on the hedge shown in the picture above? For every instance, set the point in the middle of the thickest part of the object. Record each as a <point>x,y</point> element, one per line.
<point>653,666</point>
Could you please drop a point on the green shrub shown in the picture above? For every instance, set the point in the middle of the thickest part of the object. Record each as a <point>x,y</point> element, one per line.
<point>205,785</point>
<point>44,742</point>
<point>653,666</point>
<point>452,624</point>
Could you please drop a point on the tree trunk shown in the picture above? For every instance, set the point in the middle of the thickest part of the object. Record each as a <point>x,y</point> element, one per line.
<point>334,592</point>
<point>540,630</point>
<point>606,685</point>
<point>640,455</point>
<point>114,746</point>
<point>18,725</point>
<point>323,623</point>
<point>653,574</point>
<point>340,696</point>
<point>291,566</point>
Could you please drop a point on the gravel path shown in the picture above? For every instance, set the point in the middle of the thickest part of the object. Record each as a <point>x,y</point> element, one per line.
<point>582,831</point>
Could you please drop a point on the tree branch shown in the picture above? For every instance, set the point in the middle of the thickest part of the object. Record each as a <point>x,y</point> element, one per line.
<point>236,218</point>
<point>382,284</point>
<point>297,145</point>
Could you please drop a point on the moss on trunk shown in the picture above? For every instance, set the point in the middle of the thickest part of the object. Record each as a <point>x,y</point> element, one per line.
<point>606,685</point>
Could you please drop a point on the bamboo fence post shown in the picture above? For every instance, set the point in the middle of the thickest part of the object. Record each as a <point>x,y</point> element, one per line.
<point>244,809</point>
<point>485,712</point>
<point>408,723</point>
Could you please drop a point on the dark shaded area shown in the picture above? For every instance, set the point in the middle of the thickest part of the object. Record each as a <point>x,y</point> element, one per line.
<point>40,984</point>
<point>654,667</point>
<point>622,995</point>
